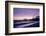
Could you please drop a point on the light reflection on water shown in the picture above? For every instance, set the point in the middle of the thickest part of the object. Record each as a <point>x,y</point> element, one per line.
<point>23,24</point>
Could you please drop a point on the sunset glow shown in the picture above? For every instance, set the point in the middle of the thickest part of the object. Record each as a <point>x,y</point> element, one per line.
<point>25,13</point>
<point>22,18</point>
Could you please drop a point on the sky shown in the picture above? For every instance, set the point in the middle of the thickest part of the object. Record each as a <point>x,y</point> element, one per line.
<point>25,13</point>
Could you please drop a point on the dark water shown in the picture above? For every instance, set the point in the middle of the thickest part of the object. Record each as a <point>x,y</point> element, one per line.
<point>26,23</point>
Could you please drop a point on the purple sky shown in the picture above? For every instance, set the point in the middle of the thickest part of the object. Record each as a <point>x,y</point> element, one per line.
<point>25,13</point>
